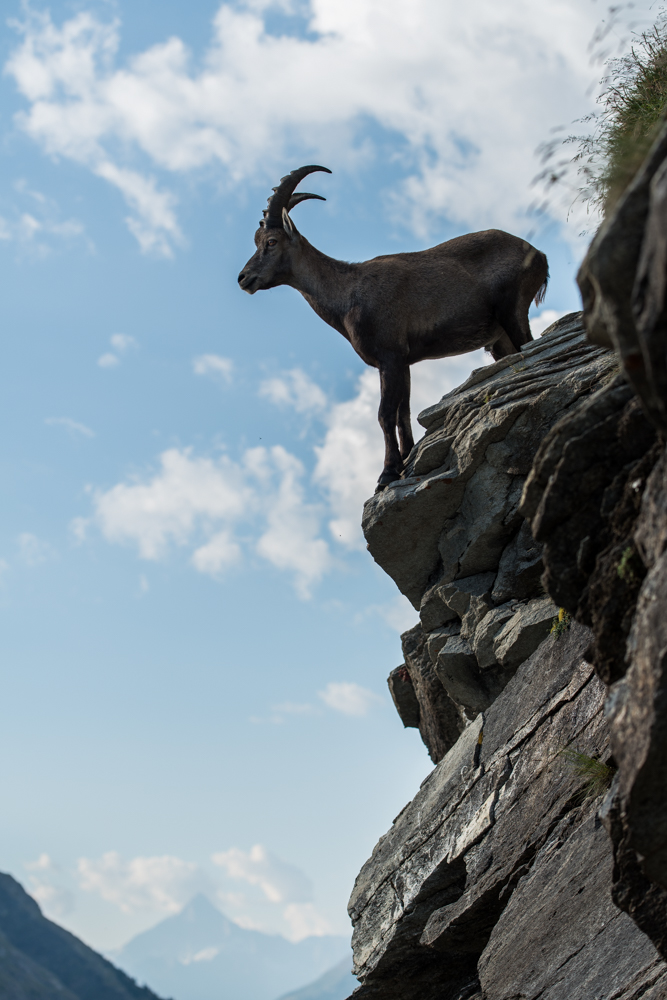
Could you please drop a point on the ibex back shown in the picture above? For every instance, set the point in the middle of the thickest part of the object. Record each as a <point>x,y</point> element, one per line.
<point>470,292</point>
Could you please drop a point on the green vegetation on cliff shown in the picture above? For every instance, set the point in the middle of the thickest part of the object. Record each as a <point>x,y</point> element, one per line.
<point>633,109</point>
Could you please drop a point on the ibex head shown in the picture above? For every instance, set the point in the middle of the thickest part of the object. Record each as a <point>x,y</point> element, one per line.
<point>277,236</point>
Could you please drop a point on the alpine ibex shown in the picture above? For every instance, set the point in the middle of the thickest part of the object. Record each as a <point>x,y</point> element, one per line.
<point>470,292</point>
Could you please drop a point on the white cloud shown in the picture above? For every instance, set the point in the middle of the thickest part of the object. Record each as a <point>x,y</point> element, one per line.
<point>32,234</point>
<point>349,698</point>
<point>215,365</point>
<point>467,92</point>
<point>154,225</point>
<point>539,324</point>
<point>303,920</point>
<point>108,360</point>
<point>220,552</point>
<point>279,881</point>
<point>350,459</point>
<point>32,550</point>
<point>294,389</point>
<point>291,540</point>
<point>42,864</point>
<point>55,900</point>
<point>122,342</point>
<point>72,425</point>
<point>163,884</point>
<point>167,507</point>
<point>218,506</point>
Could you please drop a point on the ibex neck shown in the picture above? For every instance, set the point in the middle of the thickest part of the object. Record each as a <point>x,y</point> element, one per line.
<point>325,283</point>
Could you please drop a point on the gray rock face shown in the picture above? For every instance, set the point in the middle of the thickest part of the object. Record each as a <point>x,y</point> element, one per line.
<point>455,512</point>
<point>509,876</point>
<point>403,696</point>
<point>440,721</point>
<point>523,633</point>
<point>494,881</point>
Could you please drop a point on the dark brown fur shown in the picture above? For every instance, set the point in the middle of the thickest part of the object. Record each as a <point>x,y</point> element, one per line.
<point>470,292</point>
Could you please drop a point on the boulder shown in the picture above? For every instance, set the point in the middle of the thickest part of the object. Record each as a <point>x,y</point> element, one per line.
<point>456,666</point>
<point>457,595</point>
<point>455,511</point>
<point>433,612</point>
<point>486,632</point>
<point>440,719</point>
<point>525,630</point>
<point>403,696</point>
<point>437,639</point>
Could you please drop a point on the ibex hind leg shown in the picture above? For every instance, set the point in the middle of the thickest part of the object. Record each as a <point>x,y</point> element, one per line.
<point>502,347</point>
<point>405,438</point>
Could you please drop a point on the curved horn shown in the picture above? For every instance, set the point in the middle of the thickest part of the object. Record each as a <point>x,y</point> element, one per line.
<point>280,199</point>
<point>296,199</point>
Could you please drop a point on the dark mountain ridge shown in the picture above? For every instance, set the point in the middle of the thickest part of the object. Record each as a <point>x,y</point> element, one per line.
<point>41,961</point>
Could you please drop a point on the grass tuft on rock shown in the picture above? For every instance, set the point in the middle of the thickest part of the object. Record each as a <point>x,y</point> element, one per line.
<point>633,109</point>
<point>597,776</point>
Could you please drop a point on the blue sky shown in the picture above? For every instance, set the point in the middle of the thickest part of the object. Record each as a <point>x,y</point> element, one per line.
<point>194,641</point>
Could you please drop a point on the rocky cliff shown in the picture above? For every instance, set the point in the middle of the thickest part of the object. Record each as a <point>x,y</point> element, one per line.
<point>530,530</point>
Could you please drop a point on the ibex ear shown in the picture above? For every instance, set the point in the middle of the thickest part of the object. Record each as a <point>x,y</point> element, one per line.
<point>289,226</point>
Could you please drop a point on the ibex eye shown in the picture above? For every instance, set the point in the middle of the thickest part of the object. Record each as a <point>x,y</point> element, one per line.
<point>271,243</point>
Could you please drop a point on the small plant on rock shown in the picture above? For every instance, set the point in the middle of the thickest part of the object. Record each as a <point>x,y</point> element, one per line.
<point>632,111</point>
<point>624,568</point>
<point>597,775</point>
<point>561,623</point>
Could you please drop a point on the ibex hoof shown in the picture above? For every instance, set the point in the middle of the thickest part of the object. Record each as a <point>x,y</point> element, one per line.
<point>386,478</point>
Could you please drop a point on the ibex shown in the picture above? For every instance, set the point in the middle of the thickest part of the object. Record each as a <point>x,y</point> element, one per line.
<point>470,292</point>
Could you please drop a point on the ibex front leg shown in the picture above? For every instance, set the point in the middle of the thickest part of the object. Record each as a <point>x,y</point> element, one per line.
<point>392,391</point>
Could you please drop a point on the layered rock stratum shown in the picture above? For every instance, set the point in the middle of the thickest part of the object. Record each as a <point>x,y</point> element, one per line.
<point>530,531</point>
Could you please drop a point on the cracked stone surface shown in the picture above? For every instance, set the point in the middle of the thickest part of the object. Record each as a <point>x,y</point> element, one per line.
<point>444,907</point>
<point>454,513</point>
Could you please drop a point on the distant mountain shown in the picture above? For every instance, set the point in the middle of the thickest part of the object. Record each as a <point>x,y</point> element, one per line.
<point>41,961</point>
<point>336,984</point>
<point>201,955</point>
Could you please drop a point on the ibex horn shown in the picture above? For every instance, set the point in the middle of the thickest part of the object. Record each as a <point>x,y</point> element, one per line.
<point>284,197</point>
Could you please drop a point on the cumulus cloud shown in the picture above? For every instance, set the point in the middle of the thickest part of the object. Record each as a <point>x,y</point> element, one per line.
<point>224,501</point>
<point>108,360</point>
<point>121,342</point>
<point>41,864</point>
<point>291,540</point>
<point>214,365</point>
<point>163,884</point>
<point>73,426</point>
<point>167,507</point>
<point>33,234</point>
<point>467,92</point>
<point>349,698</point>
<point>303,920</point>
<point>279,881</point>
<point>294,389</point>
<point>55,900</point>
